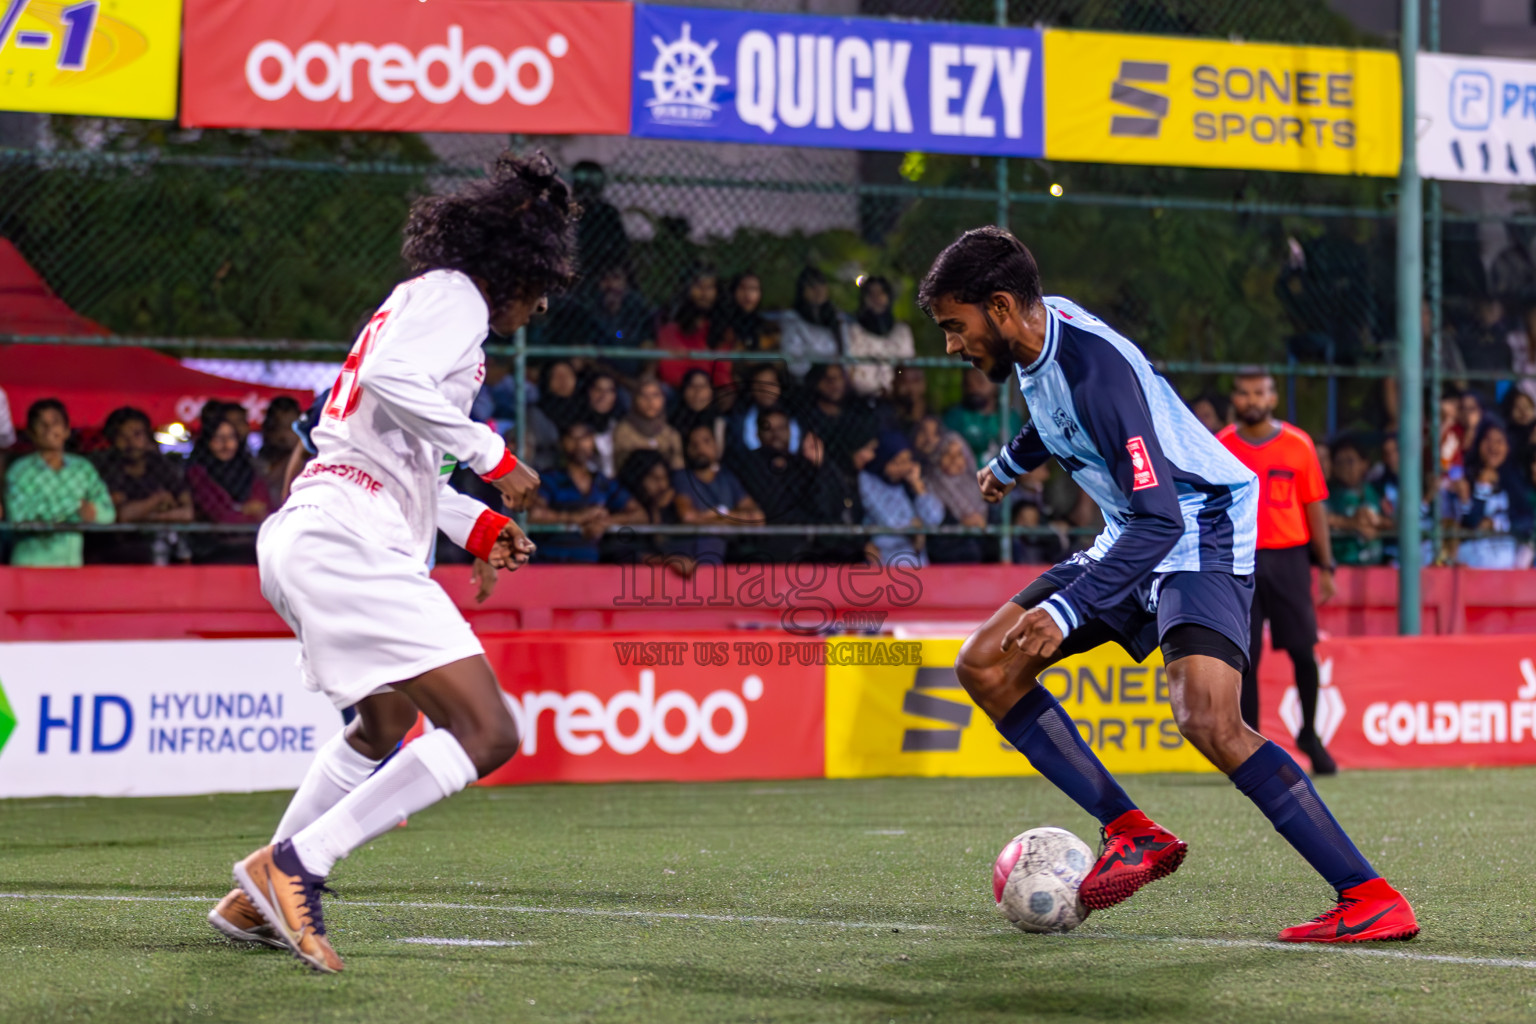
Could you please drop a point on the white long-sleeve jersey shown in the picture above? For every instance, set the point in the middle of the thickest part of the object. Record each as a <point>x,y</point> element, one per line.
<point>398,420</point>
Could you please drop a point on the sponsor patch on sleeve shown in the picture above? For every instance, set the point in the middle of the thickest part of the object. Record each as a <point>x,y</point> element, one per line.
<point>1142,476</point>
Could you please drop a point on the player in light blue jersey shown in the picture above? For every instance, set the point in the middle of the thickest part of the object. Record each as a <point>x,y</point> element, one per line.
<point>1172,569</point>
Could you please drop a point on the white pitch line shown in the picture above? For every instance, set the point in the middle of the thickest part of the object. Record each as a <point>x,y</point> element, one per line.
<point>423,940</point>
<point>1285,947</point>
<point>575,911</point>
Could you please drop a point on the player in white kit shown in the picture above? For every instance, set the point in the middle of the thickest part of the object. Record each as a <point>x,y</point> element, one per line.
<point>344,560</point>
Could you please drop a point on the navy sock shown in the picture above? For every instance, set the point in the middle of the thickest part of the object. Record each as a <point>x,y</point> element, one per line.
<point>1272,779</point>
<point>1044,734</point>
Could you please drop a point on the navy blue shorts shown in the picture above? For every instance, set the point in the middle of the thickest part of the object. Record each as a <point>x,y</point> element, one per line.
<point>1215,600</point>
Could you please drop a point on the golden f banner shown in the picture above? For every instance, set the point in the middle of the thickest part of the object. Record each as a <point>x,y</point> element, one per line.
<point>908,720</point>
<point>1199,103</point>
<point>112,58</point>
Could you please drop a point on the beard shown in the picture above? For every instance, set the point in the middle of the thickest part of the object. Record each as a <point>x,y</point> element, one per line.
<point>1253,415</point>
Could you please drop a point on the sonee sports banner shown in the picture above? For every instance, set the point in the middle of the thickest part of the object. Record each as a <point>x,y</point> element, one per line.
<point>112,59</point>
<point>859,83</point>
<point>399,65</point>
<point>1206,103</point>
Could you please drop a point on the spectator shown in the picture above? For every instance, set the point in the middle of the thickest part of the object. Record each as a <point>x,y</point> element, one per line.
<point>1522,351</point>
<point>1520,418</point>
<point>1470,413</point>
<point>909,399</point>
<point>226,489</point>
<point>1354,508</point>
<point>949,466</point>
<point>603,417</point>
<point>708,493</point>
<point>1029,513</point>
<point>688,329</point>
<point>976,417</point>
<point>577,495</point>
<point>1483,343</point>
<point>53,486</point>
<point>1213,411</point>
<point>741,325</point>
<point>277,442</point>
<point>234,413</point>
<point>892,489</point>
<point>497,398</point>
<point>1493,498</point>
<point>625,320</point>
<point>765,390</point>
<point>829,416</point>
<point>780,481</point>
<point>813,328</point>
<point>695,405</point>
<point>560,404</point>
<point>648,477</point>
<point>146,487</point>
<point>876,332</point>
<point>645,428</point>
<point>835,498</point>
<point>601,239</point>
<point>7,427</point>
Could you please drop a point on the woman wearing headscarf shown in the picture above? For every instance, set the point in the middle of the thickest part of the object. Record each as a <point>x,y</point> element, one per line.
<point>696,404</point>
<point>602,416</point>
<point>688,328</point>
<point>949,467</point>
<point>876,332</point>
<point>813,329</point>
<point>226,488</point>
<point>645,428</point>
<point>741,325</point>
<point>894,493</point>
<point>561,402</point>
<point>1493,498</point>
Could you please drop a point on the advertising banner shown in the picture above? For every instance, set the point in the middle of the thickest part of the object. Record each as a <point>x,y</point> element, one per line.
<point>1477,119</point>
<point>791,80</point>
<point>616,707</point>
<point>115,59</point>
<point>1203,103</point>
<point>400,65</point>
<point>1414,702</point>
<point>156,718</point>
<point>916,719</point>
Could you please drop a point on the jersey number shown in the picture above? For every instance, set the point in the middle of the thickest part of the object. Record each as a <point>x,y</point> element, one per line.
<point>345,395</point>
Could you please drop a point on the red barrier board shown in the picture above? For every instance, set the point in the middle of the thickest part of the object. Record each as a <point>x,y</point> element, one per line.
<point>618,707</point>
<point>1414,702</point>
<point>402,65</point>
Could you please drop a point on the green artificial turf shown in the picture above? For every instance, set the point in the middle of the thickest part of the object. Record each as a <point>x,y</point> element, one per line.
<point>805,901</point>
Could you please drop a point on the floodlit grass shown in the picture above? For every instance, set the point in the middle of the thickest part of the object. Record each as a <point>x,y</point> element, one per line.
<point>797,901</point>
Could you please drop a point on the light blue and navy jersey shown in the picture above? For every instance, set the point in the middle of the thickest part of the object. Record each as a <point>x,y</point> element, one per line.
<point>1174,499</point>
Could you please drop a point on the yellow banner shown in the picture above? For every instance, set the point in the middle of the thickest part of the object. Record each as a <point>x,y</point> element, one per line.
<point>116,58</point>
<point>917,720</point>
<point>1204,103</point>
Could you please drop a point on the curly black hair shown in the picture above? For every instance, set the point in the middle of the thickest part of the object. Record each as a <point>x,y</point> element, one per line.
<point>515,230</point>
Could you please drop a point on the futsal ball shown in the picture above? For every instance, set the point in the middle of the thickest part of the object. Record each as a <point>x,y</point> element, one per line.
<point>1036,878</point>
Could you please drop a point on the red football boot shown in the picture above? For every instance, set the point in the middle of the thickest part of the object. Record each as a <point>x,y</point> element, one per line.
<point>1370,911</point>
<point>1137,850</point>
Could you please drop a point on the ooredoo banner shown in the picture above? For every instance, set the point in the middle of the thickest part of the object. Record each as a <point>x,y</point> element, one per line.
<point>793,80</point>
<point>1414,702</point>
<point>403,65</point>
<point>156,718</point>
<point>914,718</point>
<point>618,707</point>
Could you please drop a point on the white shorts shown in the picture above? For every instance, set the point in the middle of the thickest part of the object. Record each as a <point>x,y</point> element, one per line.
<point>366,615</point>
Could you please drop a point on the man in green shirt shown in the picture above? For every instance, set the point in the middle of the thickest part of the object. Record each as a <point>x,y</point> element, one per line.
<point>975,418</point>
<point>1354,508</point>
<point>51,486</point>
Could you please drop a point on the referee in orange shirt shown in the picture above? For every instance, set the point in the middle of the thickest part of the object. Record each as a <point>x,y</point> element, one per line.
<point>1293,517</point>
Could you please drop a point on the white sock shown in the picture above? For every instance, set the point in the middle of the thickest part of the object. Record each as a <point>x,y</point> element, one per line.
<point>336,771</point>
<point>430,769</point>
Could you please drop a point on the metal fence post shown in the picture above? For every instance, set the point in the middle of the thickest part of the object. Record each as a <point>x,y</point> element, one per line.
<point>1410,365</point>
<point>1436,312</point>
<point>1004,435</point>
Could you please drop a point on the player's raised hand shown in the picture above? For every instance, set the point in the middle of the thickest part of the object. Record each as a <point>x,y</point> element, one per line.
<point>992,489</point>
<point>512,549</point>
<point>1034,633</point>
<point>518,487</point>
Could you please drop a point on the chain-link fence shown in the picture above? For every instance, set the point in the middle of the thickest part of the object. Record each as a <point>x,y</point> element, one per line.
<point>235,247</point>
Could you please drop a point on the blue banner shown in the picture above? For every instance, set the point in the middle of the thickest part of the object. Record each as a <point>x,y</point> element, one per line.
<point>793,80</point>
